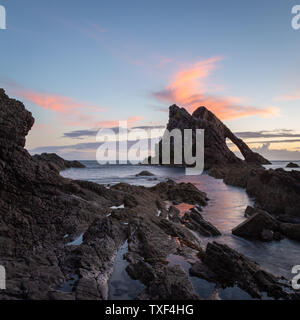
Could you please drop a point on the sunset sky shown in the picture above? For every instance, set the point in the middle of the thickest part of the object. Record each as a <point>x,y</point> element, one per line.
<point>83,65</point>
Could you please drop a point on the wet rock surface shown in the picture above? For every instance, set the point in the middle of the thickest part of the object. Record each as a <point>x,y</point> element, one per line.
<point>290,230</point>
<point>57,163</point>
<point>277,198</point>
<point>227,267</point>
<point>275,191</point>
<point>260,226</point>
<point>194,221</point>
<point>59,238</point>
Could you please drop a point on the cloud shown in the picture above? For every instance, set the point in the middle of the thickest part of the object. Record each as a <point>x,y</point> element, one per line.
<point>80,134</point>
<point>282,133</point>
<point>87,150</point>
<point>274,141</point>
<point>289,97</point>
<point>88,28</point>
<point>159,127</point>
<point>277,154</point>
<point>72,112</point>
<point>115,123</point>
<point>188,87</point>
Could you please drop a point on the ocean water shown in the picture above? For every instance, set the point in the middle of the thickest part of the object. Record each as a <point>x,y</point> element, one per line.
<point>225,210</point>
<point>282,164</point>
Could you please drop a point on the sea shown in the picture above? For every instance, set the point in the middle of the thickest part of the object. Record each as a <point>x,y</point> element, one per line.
<point>225,210</point>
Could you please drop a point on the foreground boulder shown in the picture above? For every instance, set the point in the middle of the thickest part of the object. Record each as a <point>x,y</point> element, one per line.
<point>250,211</point>
<point>170,283</point>
<point>194,221</point>
<point>181,192</point>
<point>144,174</point>
<point>290,230</point>
<point>227,267</point>
<point>260,226</point>
<point>292,165</point>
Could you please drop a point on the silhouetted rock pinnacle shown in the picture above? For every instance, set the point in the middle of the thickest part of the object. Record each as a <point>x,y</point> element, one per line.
<point>216,151</point>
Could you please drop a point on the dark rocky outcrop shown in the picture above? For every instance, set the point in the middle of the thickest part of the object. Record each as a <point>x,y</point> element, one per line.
<point>37,209</point>
<point>41,213</point>
<point>227,267</point>
<point>260,226</point>
<point>216,151</point>
<point>290,230</point>
<point>275,191</point>
<point>57,163</point>
<point>250,211</point>
<point>169,283</point>
<point>206,116</point>
<point>144,174</point>
<point>194,221</point>
<point>15,121</point>
<point>292,165</point>
<point>181,192</point>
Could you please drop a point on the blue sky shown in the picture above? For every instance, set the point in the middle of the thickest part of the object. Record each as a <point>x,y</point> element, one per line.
<point>82,65</point>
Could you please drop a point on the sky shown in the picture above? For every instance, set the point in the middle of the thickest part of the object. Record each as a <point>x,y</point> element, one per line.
<point>79,66</point>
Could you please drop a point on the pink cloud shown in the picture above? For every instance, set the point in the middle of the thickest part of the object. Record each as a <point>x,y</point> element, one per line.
<point>188,87</point>
<point>290,97</point>
<point>72,112</point>
<point>115,123</point>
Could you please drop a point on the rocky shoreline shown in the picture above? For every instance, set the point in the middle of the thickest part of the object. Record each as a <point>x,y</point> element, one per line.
<point>59,237</point>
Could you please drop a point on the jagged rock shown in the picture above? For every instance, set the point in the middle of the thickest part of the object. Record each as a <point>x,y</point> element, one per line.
<point>250,156</point>
<point>216,151</point>
<point>292,165</point>
<point>57,163</point>
<point>144,174</point>
<point>275,191</point>
<point>15,122</point>
<point>87,289</point>
<point>288,219</point>
<point>254,227</point>
<point>194,221</point>
<point>250,211</point>
<point>181,192</point>
<point>290,230</point>
<point>130,201</point>
<point>38,208</point>
<point>177,230</point>
<point>40,211</point>
<point>146,241</point>
<point>267,235</point>
<point>142,271</point>
<point>228,267</point>
<point>170,283</point>
<point>174,214</point>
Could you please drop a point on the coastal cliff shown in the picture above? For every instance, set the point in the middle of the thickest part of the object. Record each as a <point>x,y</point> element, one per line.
<point>59,237</point>
<point>216,151</point>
